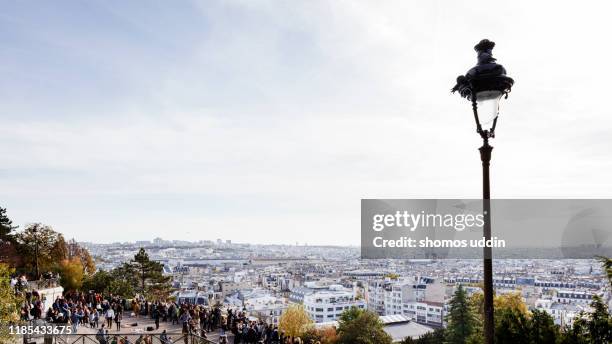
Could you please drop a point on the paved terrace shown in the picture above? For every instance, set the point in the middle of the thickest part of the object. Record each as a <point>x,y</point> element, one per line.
<point>131,329</point>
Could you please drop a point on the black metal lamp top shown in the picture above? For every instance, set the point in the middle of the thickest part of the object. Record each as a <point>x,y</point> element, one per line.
<point>487,75</point>
<point>484,85</point>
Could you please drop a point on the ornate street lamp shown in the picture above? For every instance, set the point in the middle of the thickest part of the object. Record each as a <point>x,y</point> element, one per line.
<point>485,85</point>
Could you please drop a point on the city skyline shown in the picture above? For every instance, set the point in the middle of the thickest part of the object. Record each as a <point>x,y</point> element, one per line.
<point>265,122</point>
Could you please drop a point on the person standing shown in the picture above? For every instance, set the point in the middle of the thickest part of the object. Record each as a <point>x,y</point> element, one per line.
<point>275,336</point>
<point>92,318</point>
<point>109,315</point>
<point>136,308</point>
<point>75,319</point>
<point>96,317</point>
<point>118,317</point>
<point>156,317</point>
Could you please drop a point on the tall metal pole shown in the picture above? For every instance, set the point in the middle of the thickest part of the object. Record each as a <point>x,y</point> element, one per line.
<point>485,156</point>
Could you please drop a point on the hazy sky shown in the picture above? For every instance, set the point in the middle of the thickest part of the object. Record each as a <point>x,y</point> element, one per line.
<point>268,121</point>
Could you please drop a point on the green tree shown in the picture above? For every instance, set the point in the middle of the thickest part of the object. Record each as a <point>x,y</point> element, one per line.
<point>511,327</point>
<point>590,327</point>
<point>124,281</point>
<point>599,322</point>
<point>149,278</point>
<point>574,334</point>
<point>9,306</point>
<point>119,281</point>
<point>50,244</point>
<point>542,328</point>
<point>461,319</point>
<point>593,327</point>
<point>508,307</point>
<point>435,337</point>
<point>409,340</point>
<point>99,282</point>
<point>6,226</point>
<point>606,264</point>
<point>358,326</point>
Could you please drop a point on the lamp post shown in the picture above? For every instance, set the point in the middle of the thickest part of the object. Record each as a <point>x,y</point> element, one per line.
<point>484,85</point>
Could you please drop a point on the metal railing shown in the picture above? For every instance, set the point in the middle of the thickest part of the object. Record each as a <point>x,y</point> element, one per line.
<point>131,338</point>
<point>109,338</point>
<point>119,338</point>
<point>44,283</point>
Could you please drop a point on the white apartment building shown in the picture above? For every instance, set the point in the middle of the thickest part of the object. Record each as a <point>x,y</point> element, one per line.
<point>573,297</point>
<point>562,314</point>
<point>425,312</point>
<point>328,305</point>
<point>421,299</point>
<point>230,287</point>
<point>393,299</point>
<point>375,295</point>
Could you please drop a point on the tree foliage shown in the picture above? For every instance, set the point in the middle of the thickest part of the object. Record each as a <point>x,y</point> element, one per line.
<point>358,326</point>
<point>515,324</point>
<point>295,321</point>
<point>511,327</point>
<point>116,282</point>
<point>435,337</point>
<point>6,226</point>
<point>592,327</point>
<point>461,319</point>
<point>98,282</point>
<point>71,274</point>
<point>325,335</point>
<point>50,244</point>
<point>606,264</point>
<point>144,276</point>
<point>40,243</point>
<point>80,253</point>
<point>542,328</point>
<point>9,306</point>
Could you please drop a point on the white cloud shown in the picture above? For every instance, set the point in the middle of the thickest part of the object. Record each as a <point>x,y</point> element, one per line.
<point>289,113</point>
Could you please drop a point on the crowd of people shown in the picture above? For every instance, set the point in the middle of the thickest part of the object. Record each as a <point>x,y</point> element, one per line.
<point>80,309</point>
<point>200,320</point>
<point>106,314</point>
